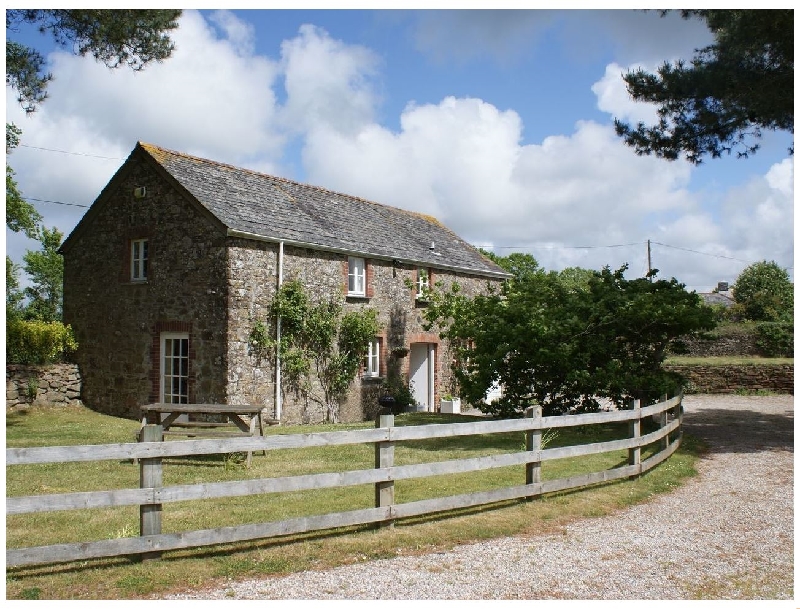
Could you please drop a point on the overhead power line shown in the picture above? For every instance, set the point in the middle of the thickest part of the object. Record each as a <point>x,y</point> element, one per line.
<point>589,247</point>
<point>94,156</point>
<point>56,202</point>
<point>556,247</point>
<point>684,249</point>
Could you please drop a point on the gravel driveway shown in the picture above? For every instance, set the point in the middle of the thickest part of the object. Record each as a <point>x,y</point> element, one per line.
<point>726,534</point>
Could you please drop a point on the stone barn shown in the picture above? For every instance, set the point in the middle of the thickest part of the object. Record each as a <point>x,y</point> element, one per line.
<point>178,258</point>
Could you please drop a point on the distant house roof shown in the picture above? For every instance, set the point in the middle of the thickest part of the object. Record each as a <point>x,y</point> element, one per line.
<point>259,206</point>
<point>714,298</point>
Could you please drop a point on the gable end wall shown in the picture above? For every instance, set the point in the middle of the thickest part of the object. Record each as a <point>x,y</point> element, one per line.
<point>117,322</point>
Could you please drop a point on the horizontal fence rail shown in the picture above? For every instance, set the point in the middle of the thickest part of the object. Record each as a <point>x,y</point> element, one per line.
<point>152,495</point>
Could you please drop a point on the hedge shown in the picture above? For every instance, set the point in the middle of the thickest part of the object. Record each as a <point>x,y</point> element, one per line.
<point>38,342</point>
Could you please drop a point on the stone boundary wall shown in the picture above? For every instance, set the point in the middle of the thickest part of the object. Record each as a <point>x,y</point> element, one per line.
<point>740,344</point>
<point>53,385</point>
<point>730,378</point>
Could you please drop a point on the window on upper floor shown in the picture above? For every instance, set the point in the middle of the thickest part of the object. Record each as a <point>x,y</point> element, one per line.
<point>139,256</point>
<point>423,284</point>
<point>356,276</point>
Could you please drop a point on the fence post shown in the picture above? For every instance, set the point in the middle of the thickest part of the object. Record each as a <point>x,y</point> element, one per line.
<point>662,423</point>
<point>384,457</point>
<point>533,443</point>
<point>150,476</point>
<point>635,454</point>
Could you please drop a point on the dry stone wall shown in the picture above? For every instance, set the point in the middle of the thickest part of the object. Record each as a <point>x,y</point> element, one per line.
<point>778,378</point>
<point>55,385</point>
<point>742,344</point>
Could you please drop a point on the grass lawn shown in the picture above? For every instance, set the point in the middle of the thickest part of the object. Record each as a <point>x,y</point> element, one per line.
<point>120,578</point>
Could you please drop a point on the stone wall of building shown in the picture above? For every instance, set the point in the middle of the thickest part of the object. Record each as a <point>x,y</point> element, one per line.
<point>117,321</point>
<point>53,385</point>
<point>252,286</point>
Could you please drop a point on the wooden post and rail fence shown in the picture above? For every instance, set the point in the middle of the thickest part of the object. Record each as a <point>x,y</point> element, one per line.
<point>151,497</point>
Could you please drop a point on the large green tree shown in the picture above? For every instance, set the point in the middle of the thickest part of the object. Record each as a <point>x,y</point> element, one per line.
<point>764,292</point>
<point>14,295</point>
<point>549,339</point>
<point>45,268</point>
<point>115,37</point>
<point>21,216</point>
<point>731,90</point>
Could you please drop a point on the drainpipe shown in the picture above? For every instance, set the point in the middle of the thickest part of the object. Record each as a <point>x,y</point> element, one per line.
<point>278,403</point>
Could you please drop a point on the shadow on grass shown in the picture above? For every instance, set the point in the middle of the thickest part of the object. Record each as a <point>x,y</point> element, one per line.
<point>15,418</point>
<point>509,441</point>
<point>231,550</point>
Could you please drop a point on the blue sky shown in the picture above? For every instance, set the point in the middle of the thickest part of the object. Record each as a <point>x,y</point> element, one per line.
<point>500,123</point>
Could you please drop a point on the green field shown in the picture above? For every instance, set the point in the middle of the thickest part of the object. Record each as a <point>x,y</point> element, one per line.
<point>128,578</point>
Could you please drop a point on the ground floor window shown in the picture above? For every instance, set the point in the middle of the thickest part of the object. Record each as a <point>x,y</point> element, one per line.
<point>373,363</point>
<point>174,368</point>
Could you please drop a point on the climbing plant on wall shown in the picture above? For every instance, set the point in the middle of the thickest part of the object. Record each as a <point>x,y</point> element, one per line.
<point>321,346</point>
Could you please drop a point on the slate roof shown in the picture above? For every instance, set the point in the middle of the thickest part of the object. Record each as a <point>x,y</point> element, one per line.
<point>261,206</point>
<point>714,298</point>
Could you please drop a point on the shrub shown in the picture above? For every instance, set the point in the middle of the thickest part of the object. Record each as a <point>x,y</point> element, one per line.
<point>775,339</point>
<point>400,391</point>
<point>38,342</point>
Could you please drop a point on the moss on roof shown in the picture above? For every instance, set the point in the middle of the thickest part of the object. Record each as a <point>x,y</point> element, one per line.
<point>275,208</point>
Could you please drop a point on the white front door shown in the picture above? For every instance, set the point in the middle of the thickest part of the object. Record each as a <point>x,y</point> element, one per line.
<point>421,359</point>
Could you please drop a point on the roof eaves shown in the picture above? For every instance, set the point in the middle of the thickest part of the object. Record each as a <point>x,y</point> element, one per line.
<point>364,254</point>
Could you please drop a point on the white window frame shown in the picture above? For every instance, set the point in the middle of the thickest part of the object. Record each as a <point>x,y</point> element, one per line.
<point>423,282</point>
<point>356,276</point>
<point>139,256</point>
<point>174,376</point>
<point>372,368</point>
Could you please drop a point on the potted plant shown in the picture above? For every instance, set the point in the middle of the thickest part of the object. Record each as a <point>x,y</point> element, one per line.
<point>450,404</point>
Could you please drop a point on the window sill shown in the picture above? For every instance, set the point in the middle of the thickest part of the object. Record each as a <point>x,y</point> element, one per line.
<point>372,379</point>
<point>357,298</point>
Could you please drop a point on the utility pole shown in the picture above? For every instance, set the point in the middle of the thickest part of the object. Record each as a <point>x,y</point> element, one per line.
<point>649,262</point>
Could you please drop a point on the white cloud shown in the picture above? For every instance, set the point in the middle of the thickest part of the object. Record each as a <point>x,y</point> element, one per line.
<point>461,159</point>
<point>759,218</point>
<point>613,97</point>
<point>241,35</point>
<point>206,97</point>
<point>210,98</point>
<point>328,83</point>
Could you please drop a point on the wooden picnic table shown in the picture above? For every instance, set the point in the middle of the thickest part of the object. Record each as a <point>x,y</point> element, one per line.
<point>193,420</point>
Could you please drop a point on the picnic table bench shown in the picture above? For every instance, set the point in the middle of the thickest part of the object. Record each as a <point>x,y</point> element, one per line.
<point>192,420</point>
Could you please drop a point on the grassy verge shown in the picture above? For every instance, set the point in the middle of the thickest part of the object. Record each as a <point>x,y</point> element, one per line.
<point>126,578</point>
